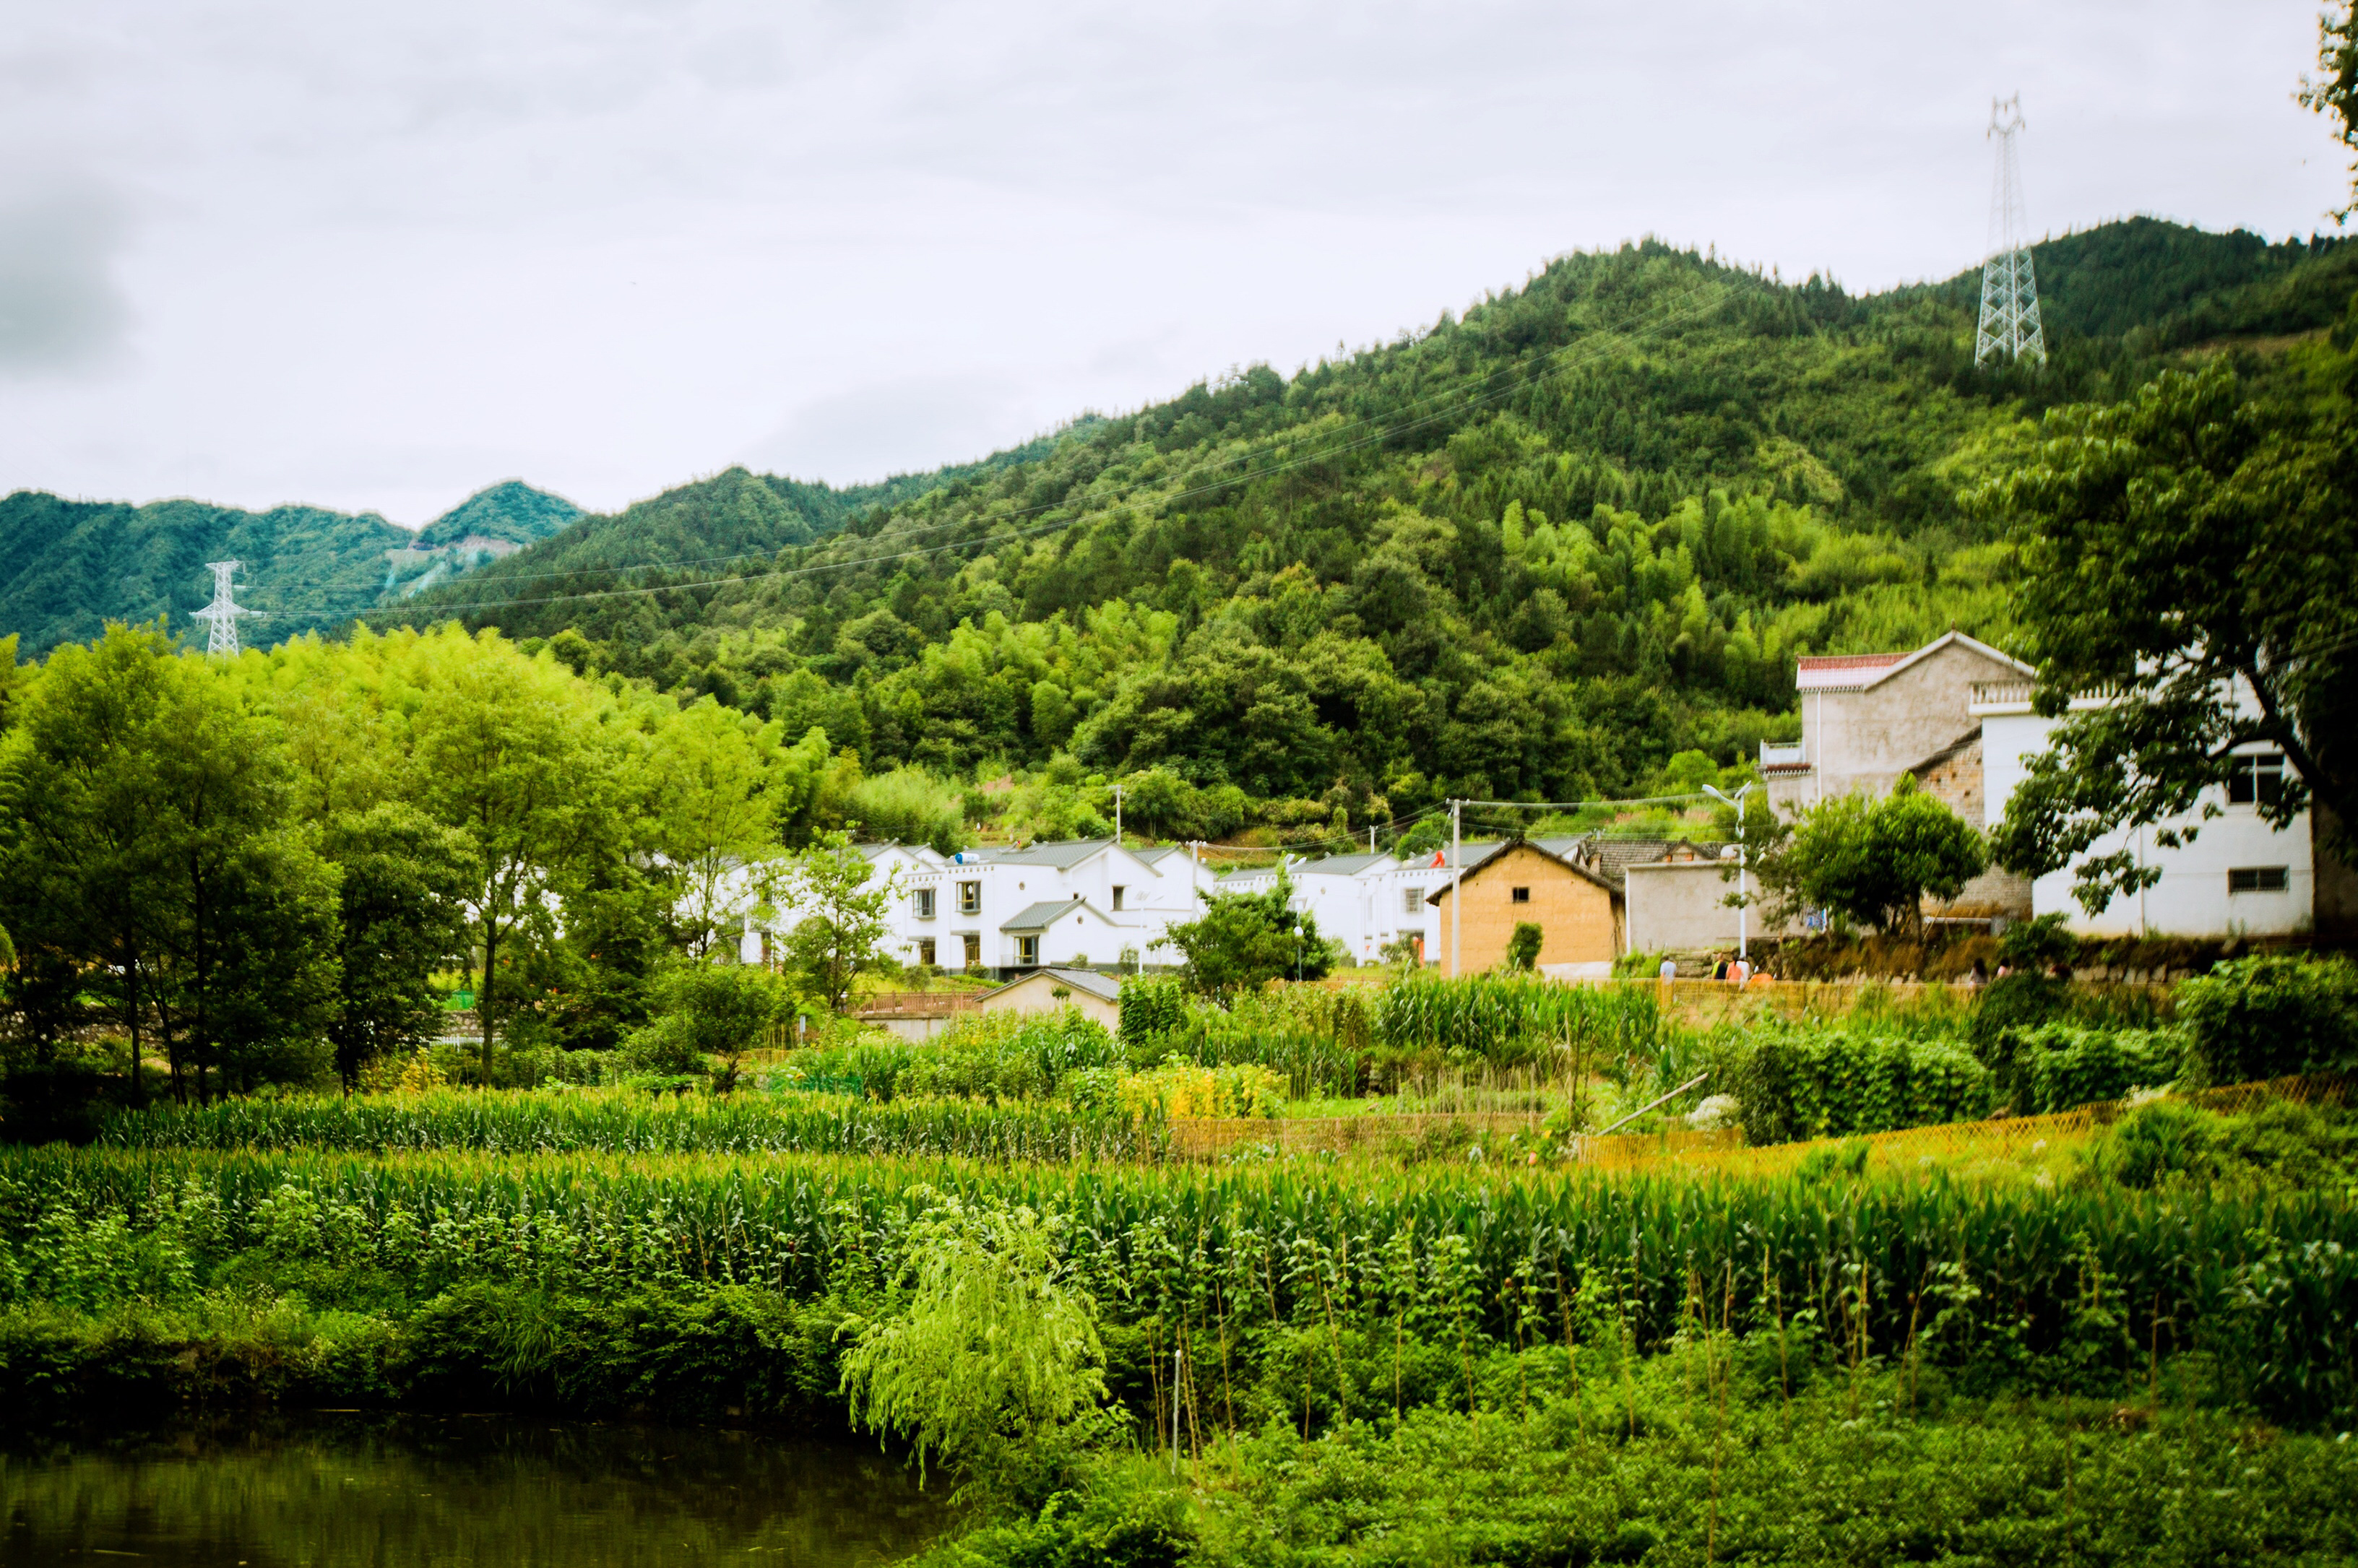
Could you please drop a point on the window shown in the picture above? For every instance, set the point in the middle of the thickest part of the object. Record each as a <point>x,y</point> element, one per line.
<point>973,951</point>
<point>1412,900</point>
<point>1027,950</point>
<point>926,951</point>
<point>2258,779</point>
<point>1117,892</point>
<point>1519,896</point>
<point>925,901</point>
<point>2258,878</point>
<point>969,897</point>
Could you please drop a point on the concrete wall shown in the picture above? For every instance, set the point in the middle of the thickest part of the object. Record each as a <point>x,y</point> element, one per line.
<point>1680,906</point>
<point>1864,740</point>
<point>1037,993</point>
<point>1576,916</point>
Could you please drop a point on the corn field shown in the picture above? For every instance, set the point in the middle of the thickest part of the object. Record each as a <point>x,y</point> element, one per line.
<point>1509,1020</point>
<point>624,1123</point>
<point>1882,1269</point>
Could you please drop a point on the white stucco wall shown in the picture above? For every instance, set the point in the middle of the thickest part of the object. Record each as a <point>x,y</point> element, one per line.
<point>2191,898</point>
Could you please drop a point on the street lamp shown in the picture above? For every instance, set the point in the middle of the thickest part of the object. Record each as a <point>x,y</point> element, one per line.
<point>1742,951</point>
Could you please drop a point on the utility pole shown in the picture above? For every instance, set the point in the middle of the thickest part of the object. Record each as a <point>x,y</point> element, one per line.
<point>1743,953</point>
<point>2009,321</point>
<point>1116,813</point>
<point>221,615</point>
<point>1456,879</point>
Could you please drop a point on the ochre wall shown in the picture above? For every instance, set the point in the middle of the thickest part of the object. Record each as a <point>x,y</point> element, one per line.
<point>1575,915</point>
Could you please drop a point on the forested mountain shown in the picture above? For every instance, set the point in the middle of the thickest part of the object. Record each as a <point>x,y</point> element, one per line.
<point>511,512</point>
<point>66,567</point>
<point>1530,553</point>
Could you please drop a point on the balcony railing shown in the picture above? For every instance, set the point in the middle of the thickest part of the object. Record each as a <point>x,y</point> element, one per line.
<point>2016,694</point>
<point>1792,755</point>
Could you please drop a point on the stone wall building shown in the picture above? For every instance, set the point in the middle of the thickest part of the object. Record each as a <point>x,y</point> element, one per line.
<point>1869,720</point>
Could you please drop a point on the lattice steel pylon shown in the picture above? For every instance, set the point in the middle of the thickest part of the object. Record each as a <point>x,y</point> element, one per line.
<point>2009,323</point>
<point>222,614</point>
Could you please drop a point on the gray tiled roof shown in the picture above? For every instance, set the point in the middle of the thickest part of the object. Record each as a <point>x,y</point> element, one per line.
<point>1339,865</point>
<point>1104,988</point>
<point>1616,856</point>
<point>1041,915</point>
<point>1064,855</point>
<point>1158,854</point>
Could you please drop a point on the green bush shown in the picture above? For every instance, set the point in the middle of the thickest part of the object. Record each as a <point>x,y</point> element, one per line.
<point>2062,1065</point>
<point>1797,1083</point>
<point>2280,1145</point>
<point>2016,1002</point>
<point>1151,1007</point>
<point>2272,1015</point>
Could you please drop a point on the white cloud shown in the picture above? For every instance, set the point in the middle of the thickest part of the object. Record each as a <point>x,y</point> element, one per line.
<point>383,255</point>
<point>60,305</point>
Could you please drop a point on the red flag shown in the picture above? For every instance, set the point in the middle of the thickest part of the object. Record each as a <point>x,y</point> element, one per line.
<point>1440,857</point>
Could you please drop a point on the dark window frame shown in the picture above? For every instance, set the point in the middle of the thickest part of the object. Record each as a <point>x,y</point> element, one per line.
<point>2258,779</point>
<point>2258,878</point>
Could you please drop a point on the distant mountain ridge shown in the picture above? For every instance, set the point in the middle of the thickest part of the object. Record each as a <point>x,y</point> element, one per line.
<point>510,511</point>
<point>66,567</point>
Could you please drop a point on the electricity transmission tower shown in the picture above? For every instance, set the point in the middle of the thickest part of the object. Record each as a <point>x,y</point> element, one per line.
<point>222,614</point>
<point>2009,323</point>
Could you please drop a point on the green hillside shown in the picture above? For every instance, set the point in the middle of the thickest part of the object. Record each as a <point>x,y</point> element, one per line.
<point>510,510</point>
<point>66,567</point>
<point>1530,553</point>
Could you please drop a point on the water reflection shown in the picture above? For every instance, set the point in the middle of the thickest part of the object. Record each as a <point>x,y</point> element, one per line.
<point>335,1491</point>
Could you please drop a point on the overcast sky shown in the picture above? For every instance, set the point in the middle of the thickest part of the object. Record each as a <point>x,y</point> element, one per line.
<point>378,257</point>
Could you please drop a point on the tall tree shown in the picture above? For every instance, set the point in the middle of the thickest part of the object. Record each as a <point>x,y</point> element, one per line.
<point>76,781</point>
<point>405,877</point>
<point>243,906</point>
<point>518,755</point>
<point>719,783</point>
<point>840,904</point>
<point>2185,556</point>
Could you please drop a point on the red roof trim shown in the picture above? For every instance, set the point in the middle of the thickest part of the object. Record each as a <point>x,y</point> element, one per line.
<point>1850,662</point>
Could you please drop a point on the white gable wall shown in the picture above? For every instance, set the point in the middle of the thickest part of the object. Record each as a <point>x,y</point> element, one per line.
<point>2193,896</point>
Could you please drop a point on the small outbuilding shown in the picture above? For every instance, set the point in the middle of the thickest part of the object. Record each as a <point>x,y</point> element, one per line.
<point>1579,914</point>
<point>1098,996</point>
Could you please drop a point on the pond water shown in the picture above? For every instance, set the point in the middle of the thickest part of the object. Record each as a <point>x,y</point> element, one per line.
<point>333,1491</point>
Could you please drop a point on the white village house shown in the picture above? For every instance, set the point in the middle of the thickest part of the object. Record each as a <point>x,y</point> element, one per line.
<point>1005,911</point>
<point>1956,715</point>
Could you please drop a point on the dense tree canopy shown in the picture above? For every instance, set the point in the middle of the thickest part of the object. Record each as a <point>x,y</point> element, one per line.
<point>1533,552</point>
